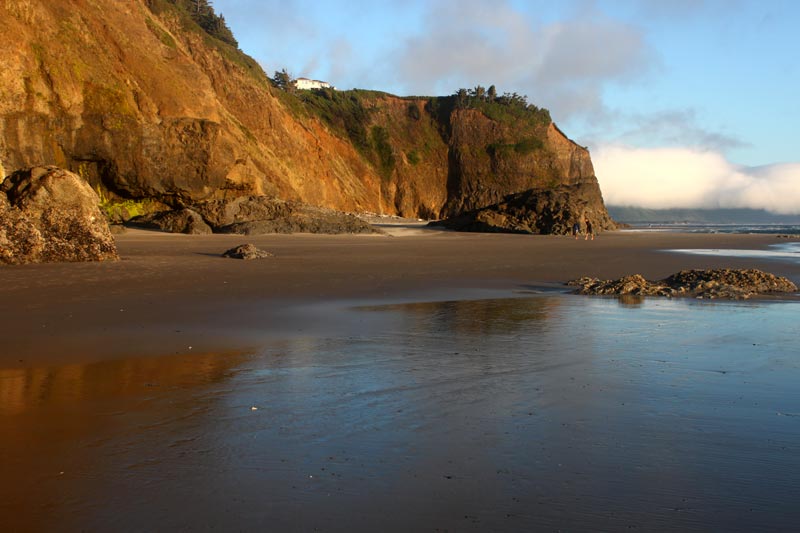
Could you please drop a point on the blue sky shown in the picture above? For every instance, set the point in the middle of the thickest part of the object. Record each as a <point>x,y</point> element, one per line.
<point>676,83</point>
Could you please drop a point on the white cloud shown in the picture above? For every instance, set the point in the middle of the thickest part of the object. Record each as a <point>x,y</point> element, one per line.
<point>676,128</point>
<point>562,65</point>
<point>660,178</point>
<point>460,45</point>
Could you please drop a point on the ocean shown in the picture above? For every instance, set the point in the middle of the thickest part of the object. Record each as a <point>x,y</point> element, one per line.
<point>767,229</point>
<point>786,249</point>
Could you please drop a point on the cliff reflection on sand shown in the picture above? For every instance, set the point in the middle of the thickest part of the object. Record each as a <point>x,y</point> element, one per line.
<point>61,427</point>
<point>24,388</point>
<point>491,316</point>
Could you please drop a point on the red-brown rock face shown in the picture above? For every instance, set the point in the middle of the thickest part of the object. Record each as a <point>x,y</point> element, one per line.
<point>144,105</point>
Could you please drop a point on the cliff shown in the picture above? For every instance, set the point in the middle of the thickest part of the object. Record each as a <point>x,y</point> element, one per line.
<point>144,104</point>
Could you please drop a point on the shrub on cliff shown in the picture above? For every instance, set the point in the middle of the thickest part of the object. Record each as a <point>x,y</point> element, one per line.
<point>203,14</point>
<point>510,107</point>
<point>349,113</point>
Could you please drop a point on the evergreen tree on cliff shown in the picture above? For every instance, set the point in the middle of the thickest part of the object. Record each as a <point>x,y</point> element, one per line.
<point>202,12</point>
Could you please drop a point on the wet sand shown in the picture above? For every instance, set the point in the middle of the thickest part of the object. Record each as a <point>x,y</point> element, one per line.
<point>174,293</point>
<point>179,390</point>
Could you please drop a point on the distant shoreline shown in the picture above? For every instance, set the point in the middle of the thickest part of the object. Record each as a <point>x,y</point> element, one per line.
<point>641,216</point>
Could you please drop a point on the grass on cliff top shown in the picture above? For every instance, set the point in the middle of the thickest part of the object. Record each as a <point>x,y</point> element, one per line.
<point>345,112</point>
<point>350,114</point>
<point>511,109</point>
<point>529,115</point>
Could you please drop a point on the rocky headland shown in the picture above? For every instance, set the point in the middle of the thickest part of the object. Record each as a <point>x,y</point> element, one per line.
<point>732,284</point>
<point>164,116</point>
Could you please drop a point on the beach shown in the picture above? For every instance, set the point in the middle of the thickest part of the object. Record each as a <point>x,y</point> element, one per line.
<point>168,282</point>
<point>417,380</point>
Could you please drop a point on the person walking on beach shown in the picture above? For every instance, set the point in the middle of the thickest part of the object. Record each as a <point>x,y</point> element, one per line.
<point>576,229</point>
<point>589,231</point>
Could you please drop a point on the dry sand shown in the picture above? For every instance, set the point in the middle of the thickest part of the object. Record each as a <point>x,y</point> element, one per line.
<point>175,294</point>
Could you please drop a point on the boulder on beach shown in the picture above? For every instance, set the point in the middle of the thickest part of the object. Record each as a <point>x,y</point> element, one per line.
<point>247,251</point>
<point>48,214</point>
<point>726,283</point>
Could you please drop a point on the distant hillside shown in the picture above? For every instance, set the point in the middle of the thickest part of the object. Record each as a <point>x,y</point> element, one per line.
<point>151,100</point>
<point>640,215</point>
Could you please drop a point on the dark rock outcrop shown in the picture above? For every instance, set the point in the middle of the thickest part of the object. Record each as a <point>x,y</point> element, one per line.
<point>253,215</point>
<point>537,211</point>
<point>48,214</point>
<point>290,217</point>
<point>180,221</point>
<point>222,213</point>
<point>247,252</point>
<point>726,283</point>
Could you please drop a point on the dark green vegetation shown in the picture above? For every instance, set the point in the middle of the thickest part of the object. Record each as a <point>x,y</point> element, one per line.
<point>199,16</point>
<point>202,13</point>
<point>507,108</point>
<point>351,113</point>
<point>346,112</point>
<point>380,141</point>
<point>523,147</point>
<point>413,157</point>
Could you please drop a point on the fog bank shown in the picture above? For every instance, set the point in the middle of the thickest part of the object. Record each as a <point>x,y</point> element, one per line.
<point>663,178</point>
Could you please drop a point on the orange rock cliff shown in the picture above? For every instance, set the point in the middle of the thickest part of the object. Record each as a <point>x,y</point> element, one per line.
<point>145,105</point>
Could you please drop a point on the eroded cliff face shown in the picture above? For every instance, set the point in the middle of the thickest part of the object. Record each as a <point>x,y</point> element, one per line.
<point>144,105</point>
<point>135,100</point>
<point>490,160</point>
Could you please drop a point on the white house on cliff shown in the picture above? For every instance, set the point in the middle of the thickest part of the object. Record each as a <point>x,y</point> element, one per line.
<point>306,84</point>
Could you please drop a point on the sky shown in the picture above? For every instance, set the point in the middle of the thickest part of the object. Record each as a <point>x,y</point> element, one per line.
<point>682,103</point>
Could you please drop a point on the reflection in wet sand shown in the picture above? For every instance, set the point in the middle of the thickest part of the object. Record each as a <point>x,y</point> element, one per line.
<point>24,389</point>
<point>57,424</point>
<point>631,300</point>
<point>473,317</point>
<point>548,412</point>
